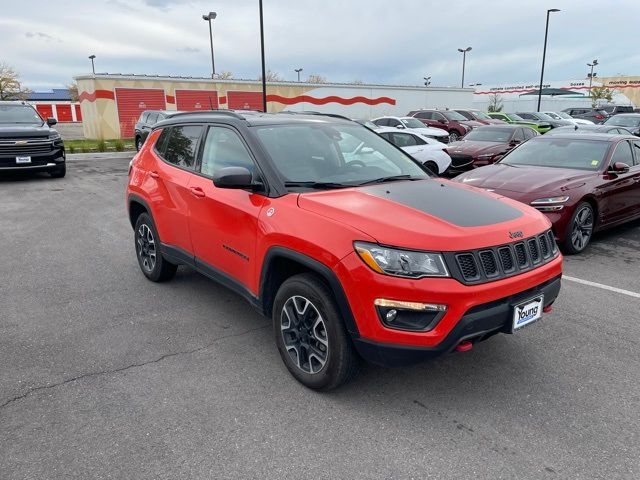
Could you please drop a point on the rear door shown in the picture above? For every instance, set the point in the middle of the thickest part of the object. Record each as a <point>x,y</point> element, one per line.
<point>224,222</point>
<point>635,169</point>
<point>176,151</point>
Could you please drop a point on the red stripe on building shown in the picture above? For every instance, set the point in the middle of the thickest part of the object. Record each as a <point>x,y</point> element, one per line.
<point>330,99</point>
<point>91,97</point>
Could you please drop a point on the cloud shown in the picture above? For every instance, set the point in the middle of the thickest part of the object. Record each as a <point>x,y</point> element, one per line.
<point>41,36</point>
<point>188,50</point>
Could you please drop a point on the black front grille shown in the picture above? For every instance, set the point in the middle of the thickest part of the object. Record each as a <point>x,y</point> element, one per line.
<point>458,160</point>
<point>31,147</point>
<point>467,264</point>
<point>488,264</point>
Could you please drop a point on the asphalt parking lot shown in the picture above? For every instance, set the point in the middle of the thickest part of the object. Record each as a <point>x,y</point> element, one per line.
<point>107,375</point>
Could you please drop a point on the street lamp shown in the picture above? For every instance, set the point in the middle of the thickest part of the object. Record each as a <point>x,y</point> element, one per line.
<point>544,54</point>
<point>475,84</point>
<point>427,81</point>
<point>93,67</point>
<point>298,70</point>
<point>207,18</point>
<point>595,62</point>
<point>264,73</point>
<point>464,57</point>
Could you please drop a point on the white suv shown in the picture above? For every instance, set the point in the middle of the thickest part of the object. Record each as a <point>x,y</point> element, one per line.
<point>415,125</point>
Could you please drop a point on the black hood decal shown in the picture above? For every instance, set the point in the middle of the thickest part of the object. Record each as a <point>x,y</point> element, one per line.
<point>454,205</point>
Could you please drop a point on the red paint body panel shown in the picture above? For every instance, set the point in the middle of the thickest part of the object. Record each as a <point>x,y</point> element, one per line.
<point>191,100</point>
<point>131,102</point>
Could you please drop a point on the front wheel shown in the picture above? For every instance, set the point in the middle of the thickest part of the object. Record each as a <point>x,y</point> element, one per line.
<point>59,172</point>
<point>454,136</point>
<point>433,167</point>
<point>310,334</point>
<point>138,143</point>
<point>580,229</point>
<point>154,266</point>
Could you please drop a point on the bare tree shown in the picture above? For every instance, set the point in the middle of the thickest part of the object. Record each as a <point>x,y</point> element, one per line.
<point>272,76</point>
<point>225,75</point>
<point>10,86</point>
<point>73,91</point>
<point>357,82</point>
<point>601,93</point>
<point>313,78</point>
<point>495,102</point>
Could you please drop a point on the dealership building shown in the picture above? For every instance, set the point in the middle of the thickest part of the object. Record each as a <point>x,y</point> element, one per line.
<point>110,104</point>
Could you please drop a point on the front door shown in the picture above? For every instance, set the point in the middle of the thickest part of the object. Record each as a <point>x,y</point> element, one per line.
<point>620,191</point>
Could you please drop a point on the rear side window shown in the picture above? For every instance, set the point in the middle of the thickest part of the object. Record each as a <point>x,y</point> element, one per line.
<point>465,114</point>
<point>181,145</point>
<point>382,122</point>
<point>426,115</point>
<point>518,135</point>
<point>152,118</point>
<point>404,140</point>
<point>143,117</point>
<point>636,150</point>
<point>529,133</point>
<point>623,154</point>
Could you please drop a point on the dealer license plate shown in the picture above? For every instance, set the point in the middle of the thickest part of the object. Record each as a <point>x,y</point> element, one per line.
<point>23,159</point>
<point>527,312</point>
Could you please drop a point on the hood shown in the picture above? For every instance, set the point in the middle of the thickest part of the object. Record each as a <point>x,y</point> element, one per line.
<point>16,130</point>
<point>493,121</point>
<point>432,214</point>
<point>474,148</point>
<point>526,179</point>
<point>432,132</point>
<point>471,123</point>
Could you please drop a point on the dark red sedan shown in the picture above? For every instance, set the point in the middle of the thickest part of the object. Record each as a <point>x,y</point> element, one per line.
<point>484,145</point>
<point>583,183</point>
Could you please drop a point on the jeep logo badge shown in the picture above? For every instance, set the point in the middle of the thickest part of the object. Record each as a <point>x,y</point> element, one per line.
<point>517,234</point>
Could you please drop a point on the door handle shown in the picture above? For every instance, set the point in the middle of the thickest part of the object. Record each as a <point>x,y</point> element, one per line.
<point>197,192</point>
<point>154,174</point>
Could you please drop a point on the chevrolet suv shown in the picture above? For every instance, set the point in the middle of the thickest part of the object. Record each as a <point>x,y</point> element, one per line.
<point>27,142</point>
<point>352,248</point>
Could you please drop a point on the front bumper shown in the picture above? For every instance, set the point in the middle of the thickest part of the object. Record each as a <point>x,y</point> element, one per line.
<point>39,161</point>
<point>362,286</point>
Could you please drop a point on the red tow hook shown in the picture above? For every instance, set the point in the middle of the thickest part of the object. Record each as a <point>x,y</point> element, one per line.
<point>547,309</point>
<point>464,346</point>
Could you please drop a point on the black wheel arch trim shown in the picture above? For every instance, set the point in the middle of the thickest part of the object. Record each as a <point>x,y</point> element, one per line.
<point>326,273</point>
<point>133,198</point>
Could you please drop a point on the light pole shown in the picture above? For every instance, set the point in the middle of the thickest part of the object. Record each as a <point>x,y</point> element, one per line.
<point>208,18</point>
<point>427,81</point>
<point>464,58</point>
<point>93,67</point>
<point>298,70</point>
<point>544,54</point>
<point>264,73</point>
<point>595,62</point>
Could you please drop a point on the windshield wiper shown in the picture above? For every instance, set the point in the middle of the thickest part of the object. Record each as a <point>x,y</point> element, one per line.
<point>317,185</point>
<point>391,178</point>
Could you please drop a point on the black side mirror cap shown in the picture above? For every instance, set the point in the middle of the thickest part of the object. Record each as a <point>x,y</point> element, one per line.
<point>235,177</point>
<point>51,121</point>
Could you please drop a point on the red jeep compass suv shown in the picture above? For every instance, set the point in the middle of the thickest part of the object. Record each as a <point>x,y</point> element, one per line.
<point>351,247</point>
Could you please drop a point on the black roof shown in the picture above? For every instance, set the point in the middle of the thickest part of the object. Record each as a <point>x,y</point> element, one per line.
<point>249,118</point>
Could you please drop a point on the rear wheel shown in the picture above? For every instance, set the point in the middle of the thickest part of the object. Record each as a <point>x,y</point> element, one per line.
<point>154,266</point>
<point>310,334</point>
<point>432,166</point>
<point>580,229</point>
<point>138,143</point>
<point>59,172</point>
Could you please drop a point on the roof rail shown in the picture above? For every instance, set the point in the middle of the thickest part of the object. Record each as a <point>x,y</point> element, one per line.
<point>217,112</point>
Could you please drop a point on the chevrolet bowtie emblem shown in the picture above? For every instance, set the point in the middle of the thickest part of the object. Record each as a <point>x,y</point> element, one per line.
<point>21,142</point>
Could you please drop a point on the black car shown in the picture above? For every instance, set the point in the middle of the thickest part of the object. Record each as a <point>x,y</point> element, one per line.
<point>596,115</point>
<point>543,117</point>
<point>27,142</point>
<point>611,129</point>
<point>147,120</point>
<point>628,121</point>
<point>616,109</point>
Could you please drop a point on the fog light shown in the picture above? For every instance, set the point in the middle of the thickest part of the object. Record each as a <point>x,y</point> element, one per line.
<point>391,315</point>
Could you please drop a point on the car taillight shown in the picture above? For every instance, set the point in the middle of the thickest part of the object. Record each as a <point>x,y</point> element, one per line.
<point>599,117</point>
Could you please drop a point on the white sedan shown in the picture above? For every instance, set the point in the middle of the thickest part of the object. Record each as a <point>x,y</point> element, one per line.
<point>426,150</point>
<point>415,125</point>
<point>568,118</point>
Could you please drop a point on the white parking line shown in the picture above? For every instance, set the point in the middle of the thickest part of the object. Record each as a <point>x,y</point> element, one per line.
<point>600,285</point>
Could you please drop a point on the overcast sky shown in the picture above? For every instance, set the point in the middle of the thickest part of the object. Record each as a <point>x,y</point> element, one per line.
<point>378,41</point>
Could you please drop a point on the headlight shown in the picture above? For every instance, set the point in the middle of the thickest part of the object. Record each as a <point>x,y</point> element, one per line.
<point>401,263</point>
<point>486,156</point>
<point>551,204</point>
<point>54,136</point>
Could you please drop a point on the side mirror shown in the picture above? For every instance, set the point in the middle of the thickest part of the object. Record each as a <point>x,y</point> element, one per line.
<point>442,120</point>
<point>51,121</point>
<point>515,142</point>
<point>619,167</point>
<point>400,126</point>
<point>233,177</point>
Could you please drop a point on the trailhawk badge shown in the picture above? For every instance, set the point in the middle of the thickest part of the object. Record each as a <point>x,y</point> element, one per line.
<point>514,235</point>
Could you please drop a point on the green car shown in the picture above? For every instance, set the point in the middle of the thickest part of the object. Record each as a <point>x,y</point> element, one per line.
<point>540,127</point>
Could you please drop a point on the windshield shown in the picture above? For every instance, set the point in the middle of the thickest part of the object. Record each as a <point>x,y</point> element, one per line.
<point>484,134</point>
<point>481,115</point>
<point>553,115</point>
<point>564,115</point>
<point>560,153</point>
<point>453,115</point>
<point>412,123</point>
<point>514,117</point>
<point>18,114</point>
<point>369,124</point>
<point>620,121</point>
<point>542,116</point>
<point>336,154</point>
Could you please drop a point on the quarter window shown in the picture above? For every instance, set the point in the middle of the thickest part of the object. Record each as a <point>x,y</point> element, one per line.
<point>181,147</point>
<point>529,133</point>
<point>224,148</point>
